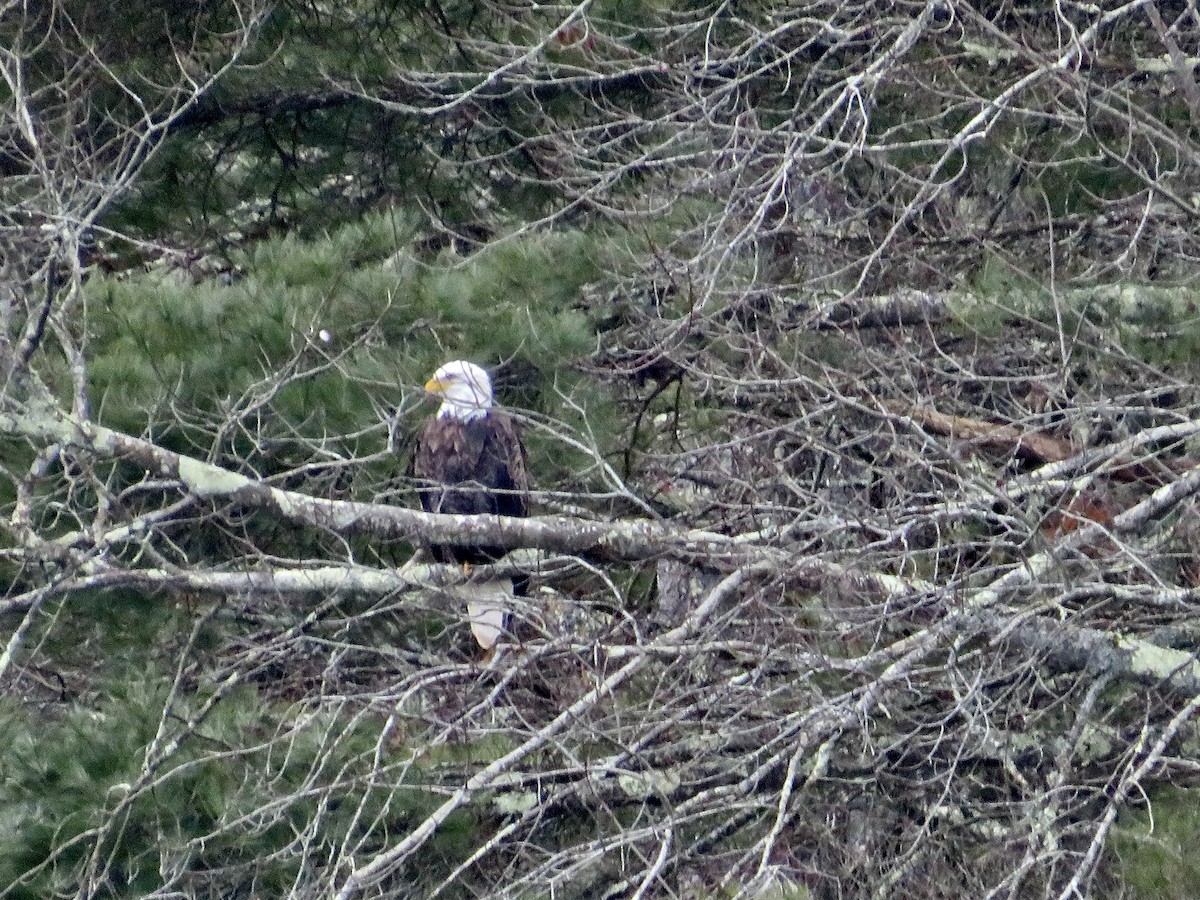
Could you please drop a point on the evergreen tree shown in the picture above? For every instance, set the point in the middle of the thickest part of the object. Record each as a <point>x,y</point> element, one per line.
<point>853,349</point>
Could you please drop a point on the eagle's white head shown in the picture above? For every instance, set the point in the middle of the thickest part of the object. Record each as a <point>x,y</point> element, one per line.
<point>465,389</point>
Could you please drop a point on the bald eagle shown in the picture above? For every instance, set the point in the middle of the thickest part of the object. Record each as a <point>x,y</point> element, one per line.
<point>470,460</point>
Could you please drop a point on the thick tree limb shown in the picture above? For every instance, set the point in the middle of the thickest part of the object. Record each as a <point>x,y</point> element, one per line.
<point>637,539</point>
<point>1074,648</point>
<point>1119,656</point>
<point>1045,448</point>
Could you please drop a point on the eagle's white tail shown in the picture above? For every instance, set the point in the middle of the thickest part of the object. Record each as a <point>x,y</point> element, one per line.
<point>488,605</point>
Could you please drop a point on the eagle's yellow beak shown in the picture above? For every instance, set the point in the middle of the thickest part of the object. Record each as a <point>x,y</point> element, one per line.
<point>435,386</point>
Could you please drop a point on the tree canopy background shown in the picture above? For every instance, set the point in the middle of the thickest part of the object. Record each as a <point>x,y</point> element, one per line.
<point>854,344</point>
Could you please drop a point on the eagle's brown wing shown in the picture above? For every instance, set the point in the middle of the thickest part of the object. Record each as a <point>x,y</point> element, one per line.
<point>511,477</point>
<point>471,468</point>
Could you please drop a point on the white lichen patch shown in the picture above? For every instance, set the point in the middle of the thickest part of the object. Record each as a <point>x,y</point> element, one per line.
<point>209,481</point>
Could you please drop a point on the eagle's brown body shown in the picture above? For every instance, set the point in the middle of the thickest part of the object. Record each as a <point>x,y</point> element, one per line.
<point>471,468</point>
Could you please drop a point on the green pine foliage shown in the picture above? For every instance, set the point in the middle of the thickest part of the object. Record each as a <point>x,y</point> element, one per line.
<point>1161,325</point>
<point>92,797</point>
<point>161,341</point>
<point>1153,847</point>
